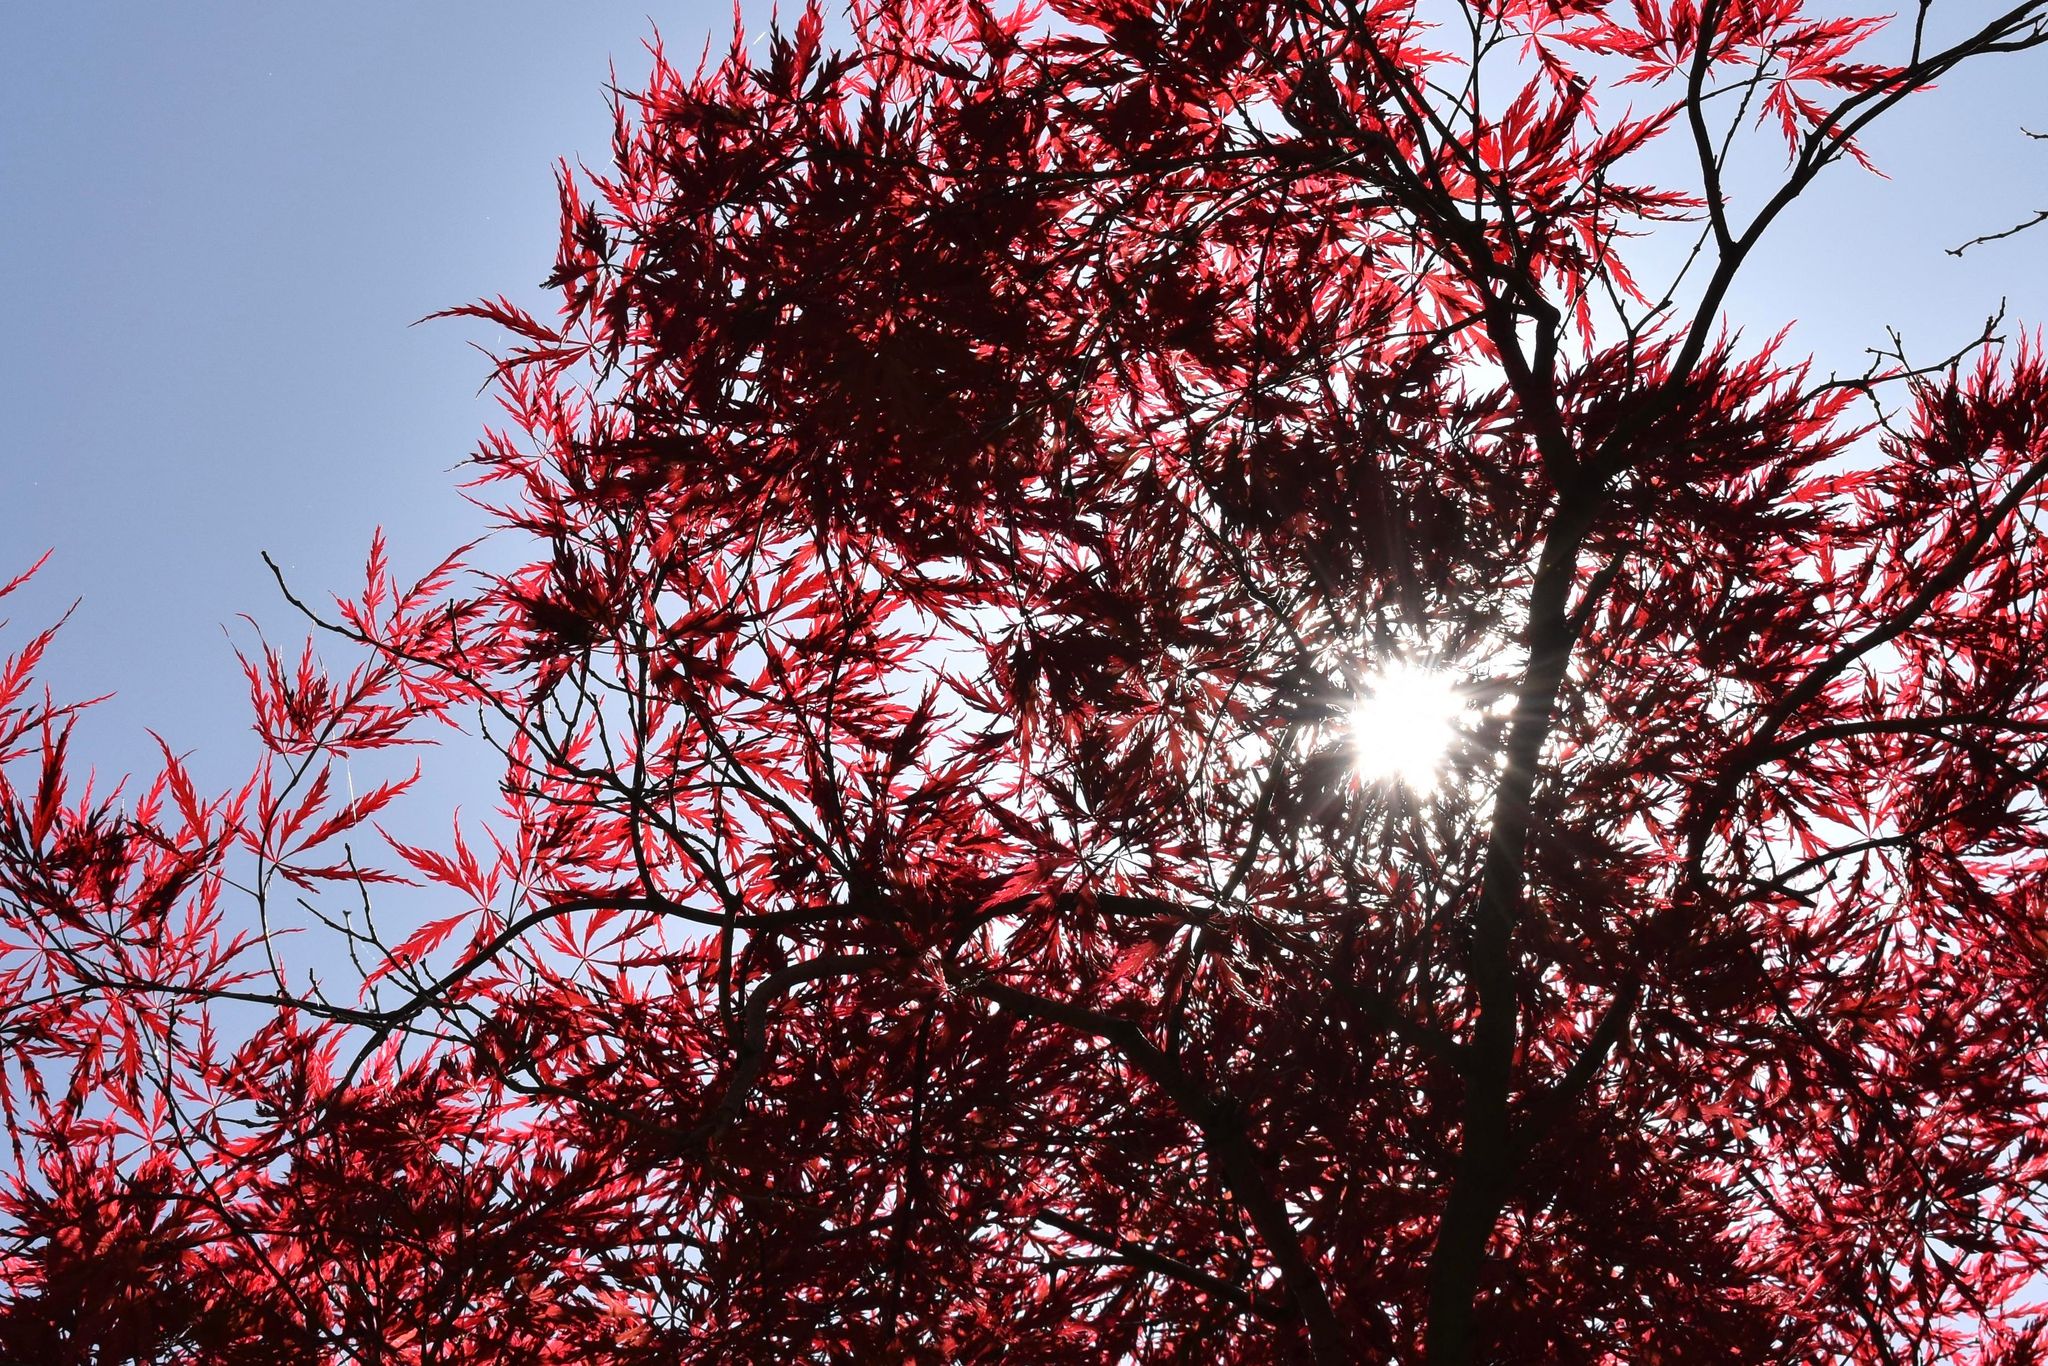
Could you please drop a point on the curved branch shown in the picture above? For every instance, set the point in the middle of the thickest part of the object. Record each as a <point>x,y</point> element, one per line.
<point>753,1051</point>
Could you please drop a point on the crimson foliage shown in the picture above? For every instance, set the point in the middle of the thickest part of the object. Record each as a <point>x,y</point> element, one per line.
<point>938,911</point>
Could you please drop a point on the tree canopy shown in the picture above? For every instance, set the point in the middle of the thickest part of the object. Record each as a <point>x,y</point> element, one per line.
<point>966,884</point>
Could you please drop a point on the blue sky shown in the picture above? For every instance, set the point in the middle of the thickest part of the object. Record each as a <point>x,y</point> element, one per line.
<point>218,224</point>
<point>219,220</point>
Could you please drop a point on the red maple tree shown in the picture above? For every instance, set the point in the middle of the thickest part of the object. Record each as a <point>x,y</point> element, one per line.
<point>950,901</point>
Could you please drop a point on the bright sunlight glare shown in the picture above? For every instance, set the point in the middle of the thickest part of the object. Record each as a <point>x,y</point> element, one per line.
<point>1402,722</point>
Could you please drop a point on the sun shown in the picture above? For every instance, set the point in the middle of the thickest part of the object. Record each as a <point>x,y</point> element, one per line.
<point>1402,722</point>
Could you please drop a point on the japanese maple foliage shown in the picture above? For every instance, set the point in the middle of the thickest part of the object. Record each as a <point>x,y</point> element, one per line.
<point>937,910</point>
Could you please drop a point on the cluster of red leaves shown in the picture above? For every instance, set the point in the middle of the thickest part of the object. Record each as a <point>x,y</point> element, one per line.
<point>933,913</point>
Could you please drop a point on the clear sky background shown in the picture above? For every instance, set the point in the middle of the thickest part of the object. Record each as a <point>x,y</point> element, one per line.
<point>217,221</point>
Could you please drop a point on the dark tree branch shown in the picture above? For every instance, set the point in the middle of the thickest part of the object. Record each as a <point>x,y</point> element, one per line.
<point>1237,1158</point>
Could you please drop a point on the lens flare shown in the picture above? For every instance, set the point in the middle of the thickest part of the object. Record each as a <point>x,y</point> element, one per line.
<point>1402,722</point>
